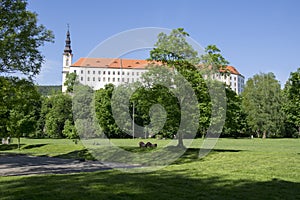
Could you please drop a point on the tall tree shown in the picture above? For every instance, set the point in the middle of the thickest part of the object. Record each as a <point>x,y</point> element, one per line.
<point>292,100</point>
<point>22,107</point>
<point>58,109</point>
<point>236,123</point>
<point>262,101</point>
<point>175,52</point>
<point>20,39</point>
<point>71,80</point>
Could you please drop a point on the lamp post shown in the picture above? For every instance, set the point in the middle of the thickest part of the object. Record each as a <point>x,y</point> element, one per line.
<point>133,121</point>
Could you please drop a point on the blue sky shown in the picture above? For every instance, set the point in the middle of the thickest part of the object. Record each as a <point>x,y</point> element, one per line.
<point>254,36</point>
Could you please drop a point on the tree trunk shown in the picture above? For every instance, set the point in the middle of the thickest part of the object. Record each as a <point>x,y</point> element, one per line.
<point>299,132</point>
<point>264,134</point>
<point>180,140</point>
<point>19,143</point>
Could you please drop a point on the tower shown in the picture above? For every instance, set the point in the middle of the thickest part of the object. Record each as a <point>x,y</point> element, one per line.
<point>67,60</point>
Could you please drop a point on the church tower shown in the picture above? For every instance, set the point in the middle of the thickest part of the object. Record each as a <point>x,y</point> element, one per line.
<point>67,60</point>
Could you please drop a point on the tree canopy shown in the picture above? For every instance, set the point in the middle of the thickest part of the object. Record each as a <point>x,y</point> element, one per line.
<point>20,39</point>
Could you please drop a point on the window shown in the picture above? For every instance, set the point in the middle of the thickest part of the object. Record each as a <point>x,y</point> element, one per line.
<point>75,71</point>
<point>132,79</point>
<point>103,79</point>
<point>118,79</point>
<point>81,78</point>
<point>108,79</point>
<point>127,80</point>
<point>118,72</point>
<point>93,72</point>
<point>108,72</point>
<point>127,73</point>
<point>88,72</point>
<point>88,79</point>
<point>99,72</point>
<point>123,73</point>
<point>81,72</point>
<point>93,78</point>
<point>103,72</point>
<point>113,79</point>
<point>113,72</point>
<point>132,73</point>
<point>122,79</point>
<point>99,79</point>
<point>138,73</point>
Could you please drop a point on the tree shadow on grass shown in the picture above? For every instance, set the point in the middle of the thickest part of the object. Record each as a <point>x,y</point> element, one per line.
<point>7,147</point>
<point>31,146</point>
<point>157,185</point>
<point>82,154</point>
<point>190,154</point>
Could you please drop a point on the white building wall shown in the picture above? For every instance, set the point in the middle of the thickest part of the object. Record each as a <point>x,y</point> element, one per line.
<point>97,77</point>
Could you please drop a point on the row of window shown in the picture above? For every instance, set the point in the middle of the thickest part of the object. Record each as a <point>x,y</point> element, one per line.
<point>111,72</point>
<point>109,79</point>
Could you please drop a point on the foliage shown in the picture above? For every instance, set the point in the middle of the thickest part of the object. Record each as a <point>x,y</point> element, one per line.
<point>70,130</point>
<point>47,90</point>
<point>262,101</point>
<point>71,80</point>
<point>173,48</point>
<point>56,110</point>
<point>104,112</point>
<point>235,124</point>
<point>292,100</point>
<point>20,107</point>
<point>212,61</point>
<point>20,39</point>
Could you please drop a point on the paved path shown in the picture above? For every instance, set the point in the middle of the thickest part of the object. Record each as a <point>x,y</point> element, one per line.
<point>15,165</point>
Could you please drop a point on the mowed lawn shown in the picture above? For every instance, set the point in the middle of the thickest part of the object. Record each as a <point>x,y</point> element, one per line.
<point>235,169</point>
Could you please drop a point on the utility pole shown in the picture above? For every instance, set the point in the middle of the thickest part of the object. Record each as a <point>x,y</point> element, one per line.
<point>133,121</point>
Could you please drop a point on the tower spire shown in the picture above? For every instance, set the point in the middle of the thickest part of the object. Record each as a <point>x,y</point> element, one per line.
<point>68,42</point>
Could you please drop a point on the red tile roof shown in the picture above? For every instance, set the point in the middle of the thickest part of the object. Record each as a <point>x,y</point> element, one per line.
<point>233,70</point>
<point>123,63</point>
<point>111,63</point>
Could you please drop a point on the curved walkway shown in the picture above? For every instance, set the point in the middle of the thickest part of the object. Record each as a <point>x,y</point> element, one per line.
<point>15,165</point>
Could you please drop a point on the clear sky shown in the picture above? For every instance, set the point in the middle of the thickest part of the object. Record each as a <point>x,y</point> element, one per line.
<point>254,36</point>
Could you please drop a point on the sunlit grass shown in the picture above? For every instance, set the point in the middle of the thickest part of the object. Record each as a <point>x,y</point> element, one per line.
<point>234,169</point>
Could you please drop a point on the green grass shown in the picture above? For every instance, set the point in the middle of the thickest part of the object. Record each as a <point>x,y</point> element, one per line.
<point>235,169</point>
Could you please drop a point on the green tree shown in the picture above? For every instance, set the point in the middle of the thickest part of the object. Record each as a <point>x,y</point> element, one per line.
<point>175,52</point>
<point>262,101</point>
<point>84,112</point>
<point>71,80</point>
<point>104,112</point>
<point>70,130</point>
<point>20,39</point>
<point>23,107</point>
<point>292,100</point>
<point>235,124</point>
<point>213,61</point>
<point>58,110</point>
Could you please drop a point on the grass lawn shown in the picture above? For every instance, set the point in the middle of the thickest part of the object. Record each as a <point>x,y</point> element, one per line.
<point>235,169</point>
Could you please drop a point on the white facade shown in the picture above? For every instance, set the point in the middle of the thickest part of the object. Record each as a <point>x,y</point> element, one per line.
<point>98,77</point>
<point>234,81</point>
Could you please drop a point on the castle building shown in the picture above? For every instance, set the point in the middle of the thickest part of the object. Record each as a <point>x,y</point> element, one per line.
<point>97,72</point>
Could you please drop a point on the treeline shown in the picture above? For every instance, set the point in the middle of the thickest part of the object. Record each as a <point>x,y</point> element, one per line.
<point>262,110</point>
<point>47,90</point>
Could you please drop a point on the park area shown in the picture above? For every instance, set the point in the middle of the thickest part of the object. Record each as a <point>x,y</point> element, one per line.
<point>234,169</point>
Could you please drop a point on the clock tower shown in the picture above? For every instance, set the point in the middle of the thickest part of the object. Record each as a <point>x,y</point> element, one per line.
<point>67,60</point>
